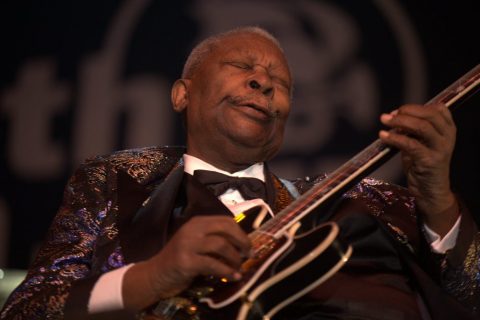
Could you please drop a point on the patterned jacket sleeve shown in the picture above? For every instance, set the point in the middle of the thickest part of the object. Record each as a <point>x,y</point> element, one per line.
<point>457,271</point>
<point>460,267</point>
<point>66,254</point>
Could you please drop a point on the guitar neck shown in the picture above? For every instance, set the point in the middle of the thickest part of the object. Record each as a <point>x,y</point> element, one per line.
<point>360,165</point>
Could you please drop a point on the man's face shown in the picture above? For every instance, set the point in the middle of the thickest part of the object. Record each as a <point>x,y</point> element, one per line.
<point>238,102</point>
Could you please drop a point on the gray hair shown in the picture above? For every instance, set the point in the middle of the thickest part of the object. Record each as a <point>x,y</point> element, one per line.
<point>201,50</point>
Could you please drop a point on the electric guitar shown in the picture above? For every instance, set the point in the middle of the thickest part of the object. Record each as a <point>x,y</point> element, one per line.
<point>287,264</point>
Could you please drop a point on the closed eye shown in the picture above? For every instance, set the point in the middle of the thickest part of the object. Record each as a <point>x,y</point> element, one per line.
<point>240,65</point>
<point>282,83</point>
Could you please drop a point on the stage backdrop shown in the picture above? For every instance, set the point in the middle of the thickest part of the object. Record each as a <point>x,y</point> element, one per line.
<point>81,78</point>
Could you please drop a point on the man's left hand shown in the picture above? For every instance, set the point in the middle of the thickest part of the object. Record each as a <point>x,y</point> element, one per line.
<point>425,135</point>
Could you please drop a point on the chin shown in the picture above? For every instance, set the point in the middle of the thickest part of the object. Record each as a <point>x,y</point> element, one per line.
<point>261,152</point>
<point>254,144</point>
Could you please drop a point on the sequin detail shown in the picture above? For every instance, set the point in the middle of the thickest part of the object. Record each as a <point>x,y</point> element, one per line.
<point>85,220</point>
<point>463,282</point>
<point>83,239</point>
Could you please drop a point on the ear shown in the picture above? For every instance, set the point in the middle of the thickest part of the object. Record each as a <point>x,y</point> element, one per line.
<point>179,95</point>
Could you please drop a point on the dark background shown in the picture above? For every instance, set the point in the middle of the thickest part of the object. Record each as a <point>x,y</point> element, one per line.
<point>69,31</point>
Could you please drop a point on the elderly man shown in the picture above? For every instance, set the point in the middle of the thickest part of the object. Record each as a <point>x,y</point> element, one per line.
<point>138,226</point>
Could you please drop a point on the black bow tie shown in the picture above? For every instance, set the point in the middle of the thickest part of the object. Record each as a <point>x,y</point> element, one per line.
<point>218,183</point>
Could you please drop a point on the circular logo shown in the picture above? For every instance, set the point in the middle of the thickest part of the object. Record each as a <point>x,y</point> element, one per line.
<point>350,62</point>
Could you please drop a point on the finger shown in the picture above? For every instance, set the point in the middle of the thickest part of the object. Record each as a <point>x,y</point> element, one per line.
<point>193,234</point>
<point>210,266</point>
<point>221,248</point>
<point>227,228</point>
<point>419,128</point>
<point>437,114</point>
<point>444,111</point>
<point>411,146</point>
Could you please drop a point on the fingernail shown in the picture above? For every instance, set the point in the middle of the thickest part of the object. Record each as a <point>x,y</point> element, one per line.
<point>384,134</point>
<point>386,117</point>
<point>394,112</point>
<point>237,276</point>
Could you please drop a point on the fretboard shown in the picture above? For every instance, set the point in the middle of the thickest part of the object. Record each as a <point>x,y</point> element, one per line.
<point>359,166</point>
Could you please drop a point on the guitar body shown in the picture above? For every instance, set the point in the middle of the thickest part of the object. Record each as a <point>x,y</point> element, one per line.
<point>311,259</point>
<point>298,265</point>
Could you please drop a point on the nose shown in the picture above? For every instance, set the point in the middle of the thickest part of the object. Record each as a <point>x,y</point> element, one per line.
<point>262,81</point>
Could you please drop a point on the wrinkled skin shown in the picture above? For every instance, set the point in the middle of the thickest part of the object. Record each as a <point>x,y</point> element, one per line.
<point>230,124</point>
<point>426,137</point>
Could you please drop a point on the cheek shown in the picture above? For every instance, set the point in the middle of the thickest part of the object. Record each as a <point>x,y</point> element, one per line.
<point>201,109</point>
<point>280,130</point>
<point>284,106</point>
<point>283,113</point>
<point>275,143</point>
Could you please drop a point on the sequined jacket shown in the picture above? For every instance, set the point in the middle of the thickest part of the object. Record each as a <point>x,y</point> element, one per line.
<point>91,234</point>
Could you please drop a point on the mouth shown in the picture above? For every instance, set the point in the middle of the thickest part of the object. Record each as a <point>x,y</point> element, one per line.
<point>260,108</point>
<point>255,109</point>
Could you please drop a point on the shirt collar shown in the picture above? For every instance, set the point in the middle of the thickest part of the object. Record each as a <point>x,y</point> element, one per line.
<point>192,163</point>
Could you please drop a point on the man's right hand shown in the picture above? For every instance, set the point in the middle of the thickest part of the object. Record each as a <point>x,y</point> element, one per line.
<point>205,245</point>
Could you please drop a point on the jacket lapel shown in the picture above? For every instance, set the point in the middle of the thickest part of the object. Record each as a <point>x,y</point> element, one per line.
<point>144,227</point>
<point>278,196</point>
<point>148,227</point>
<point>199,200</point>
